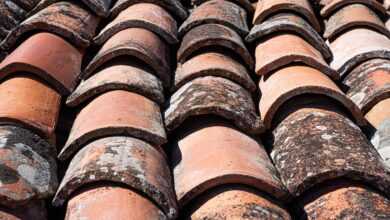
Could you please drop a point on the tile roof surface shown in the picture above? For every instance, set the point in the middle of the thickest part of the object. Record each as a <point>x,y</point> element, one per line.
<point>194,109</point>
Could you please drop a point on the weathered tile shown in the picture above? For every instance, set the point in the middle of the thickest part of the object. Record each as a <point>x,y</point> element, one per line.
<point>332,6</point>
<point>211,154</point>
<point>28,102</point>
<point>290,82</point>
<point>344,200</point>
<point>138,43</point>
<point>369,83</point>
<point>247,4</point>
<point>115,113</point>
<point>111,202</point>
<point>350,16</point>
<point>119,75</point>
<point>28,167</point>
<point>266,8</point>
<point>237,202</point>
<point>367,44</point>
<point>59,63</point>
<point>211,35</point>
<point>379,118</point>
<point>213,96</point>
<point>143,15</point>
<point>288,22</point>
<point>213,64</point>
<point>217,12</point>
<point>313,145</point>
<point>124,160</point>
<point>66,19</point>
<point>173,6</point>
<point>284,49</point>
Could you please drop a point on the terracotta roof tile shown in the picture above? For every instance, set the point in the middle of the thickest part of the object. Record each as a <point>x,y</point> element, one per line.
<point>345,200</point>
<point>379,117</point>
<point>352,16</point>
<point>123,160</point>
<point>367,44</point>
<point>288,22</point>
<point>173,6</point>
<point>144,15</point>
<point>115,113</point>
<point>111,202</point>
<point>128,75</point>
<point>28,102</point>
<point>293,81</point>
<point>59,62</point>
<point>211,35</point>
<point>232,158</point>
<point>313,145</point>
<point>213,64</point>
<point>266,8</point>
<point>109,68</point>
<point>331,6</point>
<point>28,167</point>
<point>65,19</point>
<point>271,57</point>
<point>246,4</point>
<point>237,202</point>
<point>213,96</point>
<point>217,12</point>
<point>369,83</point>
<point>135,42</point>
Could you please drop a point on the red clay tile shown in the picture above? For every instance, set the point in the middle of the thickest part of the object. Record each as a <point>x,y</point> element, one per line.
<point>144,15</point>
<point>59,63</point>
<point>32,210</point>
<point>332,6</point>
<point>214,154</point>
<point>379,113</point>
<point>213,96</point>
<point>237,202</point>
<point>267,8</point>
<point>246,4</point>
<point>287,22</point>
<point>100,7</point>
<point>352,16</point>
<point>379,117</point>
<point>212,35</point>
<point>345,201</point>
<point>213,64</point>
<point>367,44</point>
<point>28,167</point>
<point>217,12</point>
<point>66,19</point>
<point>30,103</point>
<point>120,75</point>
<point>173,6</point>
<point>115,113</point>
<point>293,81</point>
<point>123,160</point>
<point>111,202</point>
<point>369,83</point>
<point>284,49</point>
<point>313,145</point>
<point>138,43</point>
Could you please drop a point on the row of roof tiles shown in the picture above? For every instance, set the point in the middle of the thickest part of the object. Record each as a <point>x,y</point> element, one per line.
<point>214,165</point>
